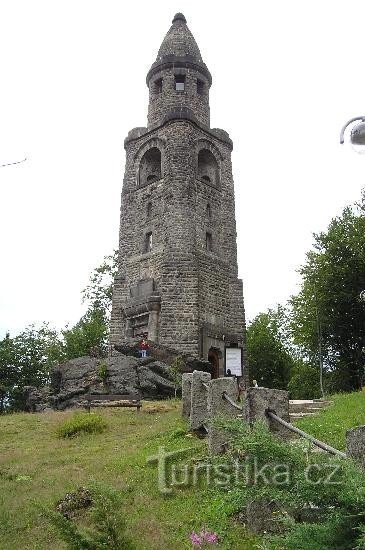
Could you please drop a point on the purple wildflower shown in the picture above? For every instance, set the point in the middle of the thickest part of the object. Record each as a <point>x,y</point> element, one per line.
<point>195,539</point>
<point>211,538</point>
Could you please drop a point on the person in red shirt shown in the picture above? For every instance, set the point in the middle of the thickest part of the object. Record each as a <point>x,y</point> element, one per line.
<point>143,348</point>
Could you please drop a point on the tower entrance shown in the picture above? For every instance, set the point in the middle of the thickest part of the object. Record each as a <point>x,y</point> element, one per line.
<point>213,358</point>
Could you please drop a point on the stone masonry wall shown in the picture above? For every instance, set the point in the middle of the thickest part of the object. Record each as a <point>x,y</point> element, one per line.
<point>196,285</point>
<point>168,98</point>
<point>185,207</point>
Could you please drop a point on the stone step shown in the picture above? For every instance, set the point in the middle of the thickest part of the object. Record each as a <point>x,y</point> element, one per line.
<point>305,402</point>
<point>322,402</point>
<point>303,405</point>
<point>299,415</point>
<point>297,408</point>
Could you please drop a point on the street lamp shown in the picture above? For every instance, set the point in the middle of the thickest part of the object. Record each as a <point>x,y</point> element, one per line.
<point>362,380</point>
<point>357,136</point>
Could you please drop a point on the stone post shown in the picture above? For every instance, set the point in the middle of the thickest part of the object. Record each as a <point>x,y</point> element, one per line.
<point>260,399</point>
<point>153,326</point>
<point>128,328</point>
<point>154,306</point>
<point>218,406</point>
<point>187,378</point>
<point>199,399</point>
<point>263,516</point>
<point>355,440</point>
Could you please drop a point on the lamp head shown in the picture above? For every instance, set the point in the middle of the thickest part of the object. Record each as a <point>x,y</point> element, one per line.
<point>358,137</point>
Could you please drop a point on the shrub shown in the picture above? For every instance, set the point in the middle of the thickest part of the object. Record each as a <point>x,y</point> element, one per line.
<point>72,503</point>
<point>102,371</point>
<point>175,371</point>
<point>339,498</point>
<point>82,423</point>
<point>106,523</point>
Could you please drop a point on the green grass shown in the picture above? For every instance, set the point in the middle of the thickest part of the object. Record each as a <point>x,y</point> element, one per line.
<point>330,425</point>
<point>82,422</point>
<point>37,467</point>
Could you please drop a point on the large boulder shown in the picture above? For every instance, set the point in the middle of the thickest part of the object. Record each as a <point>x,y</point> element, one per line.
<point>38,399</point>
<point>120,374</point>
<point>164,354</point>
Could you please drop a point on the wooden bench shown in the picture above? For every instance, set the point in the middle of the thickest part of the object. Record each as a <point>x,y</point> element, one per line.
<point>121,400</point>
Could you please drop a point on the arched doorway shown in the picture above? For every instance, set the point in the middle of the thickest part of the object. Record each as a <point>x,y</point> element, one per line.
<point>213,358</point>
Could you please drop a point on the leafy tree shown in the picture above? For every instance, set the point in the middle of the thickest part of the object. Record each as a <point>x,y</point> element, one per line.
<point>304,382</point>
<point>8,370</point>
<point>328,309</point>
<point>88,336</point>
<point>99,291</point>
<point>270,362</point>
<point>26,361</point>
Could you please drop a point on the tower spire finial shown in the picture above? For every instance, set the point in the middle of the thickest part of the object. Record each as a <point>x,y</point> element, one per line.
<point>179,17</point>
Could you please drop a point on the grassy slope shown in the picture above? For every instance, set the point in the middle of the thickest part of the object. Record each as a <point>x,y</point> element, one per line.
<point>330,425</point>
<point>37,467</point>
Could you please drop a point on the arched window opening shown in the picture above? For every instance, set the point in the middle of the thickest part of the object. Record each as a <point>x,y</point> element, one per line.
<point>148,242</point>
<point>149,210</point>
<point>209,212</point>
<point>150,166</point>
<point>208,167</point>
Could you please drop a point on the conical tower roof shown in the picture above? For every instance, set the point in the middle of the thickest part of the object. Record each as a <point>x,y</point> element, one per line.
<point>179,49</point>
<point>179,41</point>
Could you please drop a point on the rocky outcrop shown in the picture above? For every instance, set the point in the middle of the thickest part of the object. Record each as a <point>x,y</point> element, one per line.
<point>165,354</point>
<point>120,374</point>
<point>38,399</point>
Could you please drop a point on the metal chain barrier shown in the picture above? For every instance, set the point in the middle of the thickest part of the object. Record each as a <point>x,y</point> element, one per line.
<point>227,398</point>
<point>271,414</point>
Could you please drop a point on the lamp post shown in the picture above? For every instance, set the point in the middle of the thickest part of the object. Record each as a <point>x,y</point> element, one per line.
<point>357,136</point>
<point>357,139</point>
<point>362,379</point>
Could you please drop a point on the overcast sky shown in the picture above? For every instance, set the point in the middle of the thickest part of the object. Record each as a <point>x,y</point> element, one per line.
<point>286,76</point>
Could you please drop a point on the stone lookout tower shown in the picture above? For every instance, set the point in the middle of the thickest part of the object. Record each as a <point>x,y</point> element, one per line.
<point>177,283</point>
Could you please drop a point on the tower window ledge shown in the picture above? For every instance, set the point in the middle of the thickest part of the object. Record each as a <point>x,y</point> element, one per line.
<point>217,258</point>
<point>147,183</point>
<point>210,253</point>
<point>209,183</point>
<point>145,255</point>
